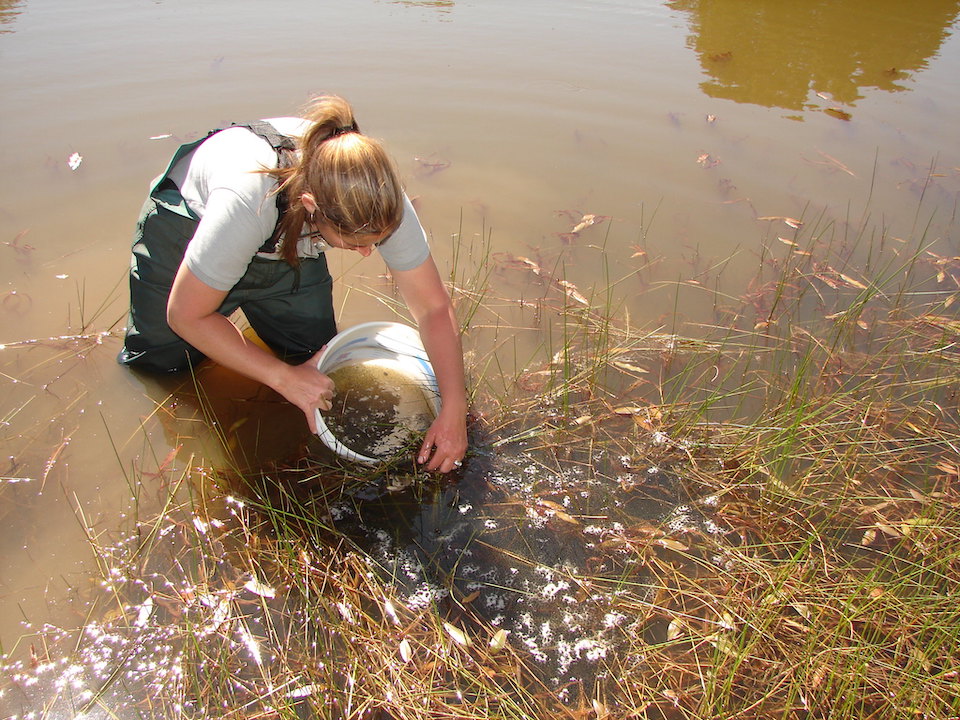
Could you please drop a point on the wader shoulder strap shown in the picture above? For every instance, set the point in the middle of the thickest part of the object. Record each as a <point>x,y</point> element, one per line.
<point>166,191</point>
<point>284,146</point>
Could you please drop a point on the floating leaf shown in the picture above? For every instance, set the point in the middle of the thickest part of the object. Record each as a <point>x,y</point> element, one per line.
<point>620,365</point>
<point>259,588</point>
<point>471,597</point>
<point>827,280</point>
<point>919,497</point>
<point>888,530</point>
<point>571,290</point>
<point>498,641</point>
<point>724,644</point>
<point>73,162</point>
<point>406,652</point>
<point>390,611</point>
<point>838,113</point>
<point>707,160</point>
<point>674,629</point>
<point>792,222</point>
<point>457,634</point>
<point>907,526</point>
<point>561,515</point>
<point>671,544</point>
<point>586,221</point>
<point>851,282</point>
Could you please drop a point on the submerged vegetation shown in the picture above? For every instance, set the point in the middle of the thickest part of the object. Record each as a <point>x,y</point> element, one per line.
<point>755,515</point>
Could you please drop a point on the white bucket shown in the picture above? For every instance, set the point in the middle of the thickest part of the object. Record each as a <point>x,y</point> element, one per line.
<point>393,343</point>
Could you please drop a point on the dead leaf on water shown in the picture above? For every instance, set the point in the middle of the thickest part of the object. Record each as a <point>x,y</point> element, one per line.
<point>498,641</point>
<point>571,290</point>
<point>671,544</point>
<point>457,634</point>
<point>620,365</point>
<point>406,652</point>
<point>839,114</point>
<point>586,221</point>
<point>707,161</point>
<point>600,709</point>
<point>791,222</point>
<point>888,530</point>
<point>851,282</point>
<point>724,644</point>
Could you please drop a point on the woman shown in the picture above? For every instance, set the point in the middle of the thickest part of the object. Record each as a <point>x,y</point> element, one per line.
<point>242,219</point>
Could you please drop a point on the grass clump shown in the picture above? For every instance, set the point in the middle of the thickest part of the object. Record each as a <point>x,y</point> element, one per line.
<point>752,516</point>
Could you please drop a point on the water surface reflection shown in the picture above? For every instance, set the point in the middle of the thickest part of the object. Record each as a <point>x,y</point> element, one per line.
<point>782,55</point>
<point>514,123</point>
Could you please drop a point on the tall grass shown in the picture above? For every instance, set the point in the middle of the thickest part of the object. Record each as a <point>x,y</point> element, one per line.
<point>812,424</point>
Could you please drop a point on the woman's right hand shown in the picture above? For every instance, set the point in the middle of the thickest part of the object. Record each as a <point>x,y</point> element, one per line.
<point>307,388</point>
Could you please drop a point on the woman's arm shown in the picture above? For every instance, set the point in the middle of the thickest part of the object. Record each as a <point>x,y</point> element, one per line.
<point>192,314</point>
<point>428,301</point>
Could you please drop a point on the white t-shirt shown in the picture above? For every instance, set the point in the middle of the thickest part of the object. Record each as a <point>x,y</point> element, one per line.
<point>238,212</point>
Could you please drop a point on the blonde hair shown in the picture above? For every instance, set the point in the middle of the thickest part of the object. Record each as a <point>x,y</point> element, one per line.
<point>351,177</point>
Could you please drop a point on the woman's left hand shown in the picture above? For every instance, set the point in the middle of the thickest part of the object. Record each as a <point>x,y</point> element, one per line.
<point>445,443</point>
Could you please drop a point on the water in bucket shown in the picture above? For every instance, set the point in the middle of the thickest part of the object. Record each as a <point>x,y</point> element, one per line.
<point>386,391</point>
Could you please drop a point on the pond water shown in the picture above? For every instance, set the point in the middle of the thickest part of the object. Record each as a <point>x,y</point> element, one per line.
<point>642,152</point>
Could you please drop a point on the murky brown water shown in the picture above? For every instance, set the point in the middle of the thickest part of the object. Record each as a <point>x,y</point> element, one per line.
<point>660,131</point>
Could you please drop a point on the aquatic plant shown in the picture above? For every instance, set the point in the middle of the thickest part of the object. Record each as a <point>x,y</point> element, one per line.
<point>754,515</point>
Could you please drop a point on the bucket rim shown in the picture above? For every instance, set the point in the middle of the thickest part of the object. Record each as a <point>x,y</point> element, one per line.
<point>410,345</point>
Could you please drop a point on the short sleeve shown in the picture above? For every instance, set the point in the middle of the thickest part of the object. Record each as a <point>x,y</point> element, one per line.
<point>407,248</point>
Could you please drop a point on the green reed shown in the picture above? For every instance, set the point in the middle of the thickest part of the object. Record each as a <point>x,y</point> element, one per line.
<point>813,417</point>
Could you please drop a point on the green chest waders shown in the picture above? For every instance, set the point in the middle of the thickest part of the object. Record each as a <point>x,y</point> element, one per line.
<point>291,309</point>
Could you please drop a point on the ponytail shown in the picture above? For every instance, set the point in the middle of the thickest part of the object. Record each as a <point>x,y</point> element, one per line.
<point>353,180</point>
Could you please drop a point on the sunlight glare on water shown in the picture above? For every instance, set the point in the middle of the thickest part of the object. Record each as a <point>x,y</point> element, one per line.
<point>655,147</point>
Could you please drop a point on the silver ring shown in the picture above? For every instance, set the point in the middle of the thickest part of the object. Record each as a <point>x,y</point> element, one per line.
<point>457,463</point>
